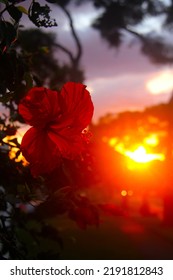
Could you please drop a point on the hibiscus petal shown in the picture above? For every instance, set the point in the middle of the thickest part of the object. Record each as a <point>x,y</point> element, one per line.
<point>39,106</point>
<point>40,151</point>
<point>58,121</point>
<point>77,106</point>
<point>69,144</point>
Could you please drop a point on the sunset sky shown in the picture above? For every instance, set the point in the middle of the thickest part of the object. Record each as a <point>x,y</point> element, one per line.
<point>118,80</point>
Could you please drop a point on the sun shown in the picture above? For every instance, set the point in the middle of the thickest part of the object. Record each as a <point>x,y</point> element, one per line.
<point>140,155</point>
<point>160,84</point>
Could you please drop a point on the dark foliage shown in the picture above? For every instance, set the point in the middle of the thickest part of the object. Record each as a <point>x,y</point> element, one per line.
<point>28,204</point>
<point>39,15</point>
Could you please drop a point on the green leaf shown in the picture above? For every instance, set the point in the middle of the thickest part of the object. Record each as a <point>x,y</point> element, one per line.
<point>44,49</point>
<point>28,79</point>
<point>14,13</point>
<point>6,97</point>
<point>22,9</point>
<point>33,225</point>
<point>2,135</point>
<point>23,189</point>
<point>7,35</point>
<point>29,243</point>
<point>4,1</point>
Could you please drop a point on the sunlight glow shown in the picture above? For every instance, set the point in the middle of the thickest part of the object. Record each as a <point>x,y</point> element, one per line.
<point>112,141</point>
<point>152,140</point>
<point>104,139</point>
<point>160,84</point>
<point>14,149</point>
<point>140,153</point>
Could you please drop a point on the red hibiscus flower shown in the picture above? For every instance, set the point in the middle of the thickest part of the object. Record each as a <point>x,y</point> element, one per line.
<point>57,120</point>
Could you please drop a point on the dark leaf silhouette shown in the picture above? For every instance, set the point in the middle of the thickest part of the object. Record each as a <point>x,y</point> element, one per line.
<point>14,13</point>
<point>39,15</point>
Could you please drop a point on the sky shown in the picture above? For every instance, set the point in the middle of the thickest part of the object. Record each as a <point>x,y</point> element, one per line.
<point>118,80</point>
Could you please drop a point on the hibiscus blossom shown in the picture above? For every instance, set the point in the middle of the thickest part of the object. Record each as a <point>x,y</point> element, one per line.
<point>57,120</point>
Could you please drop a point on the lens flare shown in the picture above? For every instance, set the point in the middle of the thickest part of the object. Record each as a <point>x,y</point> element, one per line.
<point>123,193</point>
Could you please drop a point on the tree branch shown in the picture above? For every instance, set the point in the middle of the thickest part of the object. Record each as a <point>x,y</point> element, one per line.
<point>136,34</point>
<point>65,50</point>
<point>7,6</point>
<point>74,34</point>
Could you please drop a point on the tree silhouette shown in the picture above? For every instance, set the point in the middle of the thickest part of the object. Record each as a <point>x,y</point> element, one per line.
<point>120,20</point>
<point>74,58</point>
<point>39,49</point>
